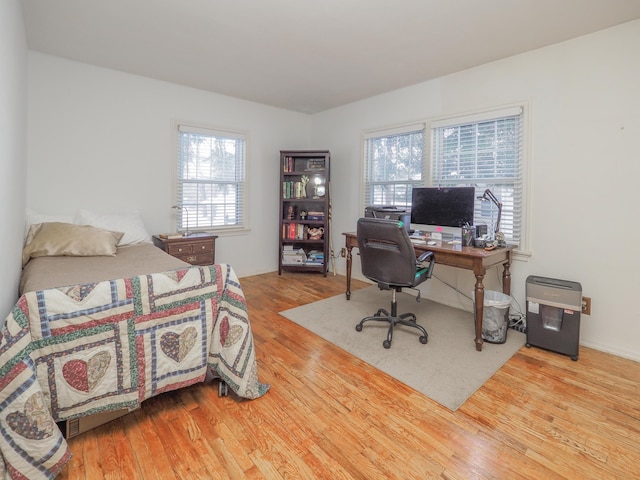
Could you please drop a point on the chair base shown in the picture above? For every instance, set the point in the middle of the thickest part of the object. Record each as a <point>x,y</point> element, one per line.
<point>407,319</point>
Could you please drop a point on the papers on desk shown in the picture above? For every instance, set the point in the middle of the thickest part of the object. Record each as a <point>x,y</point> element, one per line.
<point>418,240</point>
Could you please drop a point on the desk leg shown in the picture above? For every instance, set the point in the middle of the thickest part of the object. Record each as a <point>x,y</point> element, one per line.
<point>349,263</point>
<point>506,277</point>
<point>479,310</point>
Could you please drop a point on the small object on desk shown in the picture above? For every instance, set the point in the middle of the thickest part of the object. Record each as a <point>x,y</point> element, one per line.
<point>432,242</point>
<point>490,247</point>
<point>455,242</point>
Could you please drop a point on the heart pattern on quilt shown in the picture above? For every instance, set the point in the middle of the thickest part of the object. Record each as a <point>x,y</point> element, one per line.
<point>86,375</point>
<point>34,422</point>
<point>177,346</point>
<point>229,334</point>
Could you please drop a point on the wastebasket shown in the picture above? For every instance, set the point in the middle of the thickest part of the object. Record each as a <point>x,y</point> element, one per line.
<point>495,319</point>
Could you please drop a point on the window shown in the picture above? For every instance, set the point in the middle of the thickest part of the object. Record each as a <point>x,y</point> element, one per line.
<point>393,165</point>
<point>210,181</point>
<point>484,151</point>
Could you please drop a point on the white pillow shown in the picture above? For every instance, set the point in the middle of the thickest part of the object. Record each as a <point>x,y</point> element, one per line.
<point>129,223</point>
<point>34,218</point>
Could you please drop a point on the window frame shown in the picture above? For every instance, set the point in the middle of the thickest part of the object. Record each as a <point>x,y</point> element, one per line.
<point>488,115</point>
<point>242,204</point>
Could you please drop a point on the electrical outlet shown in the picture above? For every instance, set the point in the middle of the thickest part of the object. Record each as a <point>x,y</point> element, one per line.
<point>343,252</point>
<point>586,305</point>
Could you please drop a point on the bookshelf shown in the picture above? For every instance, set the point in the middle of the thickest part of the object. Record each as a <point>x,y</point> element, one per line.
<point>304,211</point>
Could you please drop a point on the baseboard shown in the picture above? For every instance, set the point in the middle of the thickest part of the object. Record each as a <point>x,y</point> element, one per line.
<point>628,354</point>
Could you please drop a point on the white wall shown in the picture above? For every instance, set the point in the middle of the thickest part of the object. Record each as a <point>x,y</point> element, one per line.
<point>102,140</point>
<point>13,147</point>
<point>584,169</point>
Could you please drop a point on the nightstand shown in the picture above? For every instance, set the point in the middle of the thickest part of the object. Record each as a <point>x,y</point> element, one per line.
<point>196,249</point>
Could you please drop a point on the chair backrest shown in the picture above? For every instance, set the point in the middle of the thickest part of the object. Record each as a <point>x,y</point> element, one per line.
<point>387,256</point>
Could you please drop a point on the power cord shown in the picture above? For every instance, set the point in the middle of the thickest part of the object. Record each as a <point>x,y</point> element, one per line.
<point>517,319</point>
<point>518,322</point>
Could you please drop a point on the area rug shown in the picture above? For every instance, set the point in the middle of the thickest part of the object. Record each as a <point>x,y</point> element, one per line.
<point>448,369</point>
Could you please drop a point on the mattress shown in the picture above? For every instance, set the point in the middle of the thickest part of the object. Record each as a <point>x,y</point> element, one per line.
<point>49,272</point>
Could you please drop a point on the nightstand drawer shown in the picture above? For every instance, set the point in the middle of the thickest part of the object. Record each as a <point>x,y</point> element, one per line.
<point>184,248</point>
<point>197,259</point>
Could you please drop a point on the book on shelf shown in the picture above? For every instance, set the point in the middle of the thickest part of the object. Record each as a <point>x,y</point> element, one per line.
<point>315,215</point>
<point>288,164</point>
<point>293,189</point>
<point>293,231</point>
<point>167,236</point>
<point>315,257</point>
<point>316,261</point>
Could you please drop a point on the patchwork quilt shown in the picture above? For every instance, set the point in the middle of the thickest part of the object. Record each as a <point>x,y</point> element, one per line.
<point>73,351</point>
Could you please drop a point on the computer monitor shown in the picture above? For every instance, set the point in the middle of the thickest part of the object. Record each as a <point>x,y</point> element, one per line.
<point>442,208</point>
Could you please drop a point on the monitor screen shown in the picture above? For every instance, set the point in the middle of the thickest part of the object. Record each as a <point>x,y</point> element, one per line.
<point>445,207</point>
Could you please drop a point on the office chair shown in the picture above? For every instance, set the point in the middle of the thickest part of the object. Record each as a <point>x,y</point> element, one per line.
<point>388,258</point>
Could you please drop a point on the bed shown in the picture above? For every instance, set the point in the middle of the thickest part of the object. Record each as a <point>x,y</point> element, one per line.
<point>100,333</point>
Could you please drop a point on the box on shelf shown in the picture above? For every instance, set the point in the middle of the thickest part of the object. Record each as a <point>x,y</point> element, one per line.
<point>291,256</point>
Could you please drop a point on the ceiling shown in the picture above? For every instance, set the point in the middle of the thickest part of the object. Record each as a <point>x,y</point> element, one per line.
<point>307,55</point>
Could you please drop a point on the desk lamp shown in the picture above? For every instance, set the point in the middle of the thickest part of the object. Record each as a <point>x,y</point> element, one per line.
<point>186,231</point>
<point>498,235</point>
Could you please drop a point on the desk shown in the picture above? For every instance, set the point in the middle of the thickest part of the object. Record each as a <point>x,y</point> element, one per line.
<point>469,258</point>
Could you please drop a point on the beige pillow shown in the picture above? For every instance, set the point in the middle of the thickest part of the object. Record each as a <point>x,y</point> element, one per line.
<point>65,239</point>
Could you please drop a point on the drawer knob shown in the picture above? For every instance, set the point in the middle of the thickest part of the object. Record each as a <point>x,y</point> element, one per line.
<point>203,247</point>
<point>180,249</point>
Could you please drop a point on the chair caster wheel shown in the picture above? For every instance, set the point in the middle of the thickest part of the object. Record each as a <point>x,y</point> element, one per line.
<point>358,328</point>
<point>223,389</point>
<point>386,344</point>
<point>424,339</point>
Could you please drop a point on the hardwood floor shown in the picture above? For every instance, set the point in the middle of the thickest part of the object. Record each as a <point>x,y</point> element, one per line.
<point>329,415</point>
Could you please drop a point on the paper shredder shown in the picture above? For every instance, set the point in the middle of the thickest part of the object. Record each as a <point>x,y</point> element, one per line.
<point>553,314</point>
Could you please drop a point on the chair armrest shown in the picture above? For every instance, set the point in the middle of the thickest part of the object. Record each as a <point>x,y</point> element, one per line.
<point>426,261</point>
<point>424,256</point>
